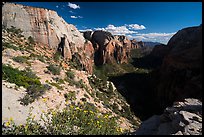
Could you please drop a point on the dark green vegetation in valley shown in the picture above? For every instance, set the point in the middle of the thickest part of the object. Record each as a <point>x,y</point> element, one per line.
<point>134,81</point>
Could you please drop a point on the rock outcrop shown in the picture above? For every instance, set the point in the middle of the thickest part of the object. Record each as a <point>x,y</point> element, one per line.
<point>180,75</point>
<point>183,118</point>
<point>44,26</point>
<point>108,48</point>
<point>136,44</point>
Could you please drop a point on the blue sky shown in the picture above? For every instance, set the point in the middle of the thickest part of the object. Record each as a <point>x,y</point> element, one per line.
<point>146,21</point>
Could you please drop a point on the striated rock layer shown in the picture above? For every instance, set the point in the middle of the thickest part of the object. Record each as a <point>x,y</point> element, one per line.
<point>47,27</point>
<point>109,48</point>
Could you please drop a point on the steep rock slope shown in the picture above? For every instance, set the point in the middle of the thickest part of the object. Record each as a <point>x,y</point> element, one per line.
<point>109,48</point>
<point>180,75</point>
<point>47,27</point>
<point>35,78</point>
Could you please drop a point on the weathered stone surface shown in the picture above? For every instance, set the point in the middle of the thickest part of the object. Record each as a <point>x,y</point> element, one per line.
<point>179,122</point>
<point>136,44</point>
<point>89,56</point>
<point>108,48</point>
<point>45,26</point>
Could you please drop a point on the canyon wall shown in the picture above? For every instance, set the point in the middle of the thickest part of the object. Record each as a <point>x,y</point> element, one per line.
<point>47,27</point>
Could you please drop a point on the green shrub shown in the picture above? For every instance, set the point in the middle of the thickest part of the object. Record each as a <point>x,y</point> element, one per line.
<point>57,56</point>
<point>41,58</point>
<point>9,45</point>
<point>56,85</point>
<point>70,74</point>
<point>20,59</point>
<point>14,30</point>
<point>27,79</point>
<point>20,78</point>
<point>31,40</point>
<point>55,70</point>
<point>70,96</point>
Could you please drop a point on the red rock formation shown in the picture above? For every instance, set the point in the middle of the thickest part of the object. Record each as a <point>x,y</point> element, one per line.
<point>89,56</point>
<point>136,44</point>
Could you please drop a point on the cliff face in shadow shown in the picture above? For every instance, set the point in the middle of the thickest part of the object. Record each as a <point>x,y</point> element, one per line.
<point>180,75</point>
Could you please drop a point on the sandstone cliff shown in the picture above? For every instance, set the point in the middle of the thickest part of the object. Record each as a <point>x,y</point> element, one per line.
<point>46,27</point>
<point>109,48</point>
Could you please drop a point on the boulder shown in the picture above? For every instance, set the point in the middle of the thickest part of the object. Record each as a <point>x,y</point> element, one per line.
<point>180,121</point>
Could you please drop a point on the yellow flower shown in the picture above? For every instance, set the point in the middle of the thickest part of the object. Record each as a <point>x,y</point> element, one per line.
<point>8,123</point>
<point>26,127</point>
<point>91,111</point>
<point>44,99</point>
<point>97,122</point>
<point>43,111</point>
<point>121,130</point>
<point>77,107</point>
<point>106,116</point>
<point>11,119</point>
<point>85,111</point>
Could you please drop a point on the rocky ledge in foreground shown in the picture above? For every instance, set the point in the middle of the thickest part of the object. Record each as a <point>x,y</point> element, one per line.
<point>183,118</point>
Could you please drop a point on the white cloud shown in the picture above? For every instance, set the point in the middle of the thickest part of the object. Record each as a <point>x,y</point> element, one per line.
<point>120,30</point>
<point>157,34</point>
<point>73,6</point>
<point>82,30</point>
<point>57,6</point>
<point>74,17</point>
<point>154,37</point>
<point>129,31</point>
<point>136,27</point>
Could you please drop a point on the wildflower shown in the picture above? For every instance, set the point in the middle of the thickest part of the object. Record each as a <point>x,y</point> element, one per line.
<point>26,127</point>
<point>44,99</point>
<point>77,107</point>
<point>85,111</point>
<point>43,111</point>
<point>53,113</point>
<point>106,116</point>
<point>91,111</point>
<point>11,119</point>
<point>8,123</point>
<point>97,122</point>
<point>121,130</point>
